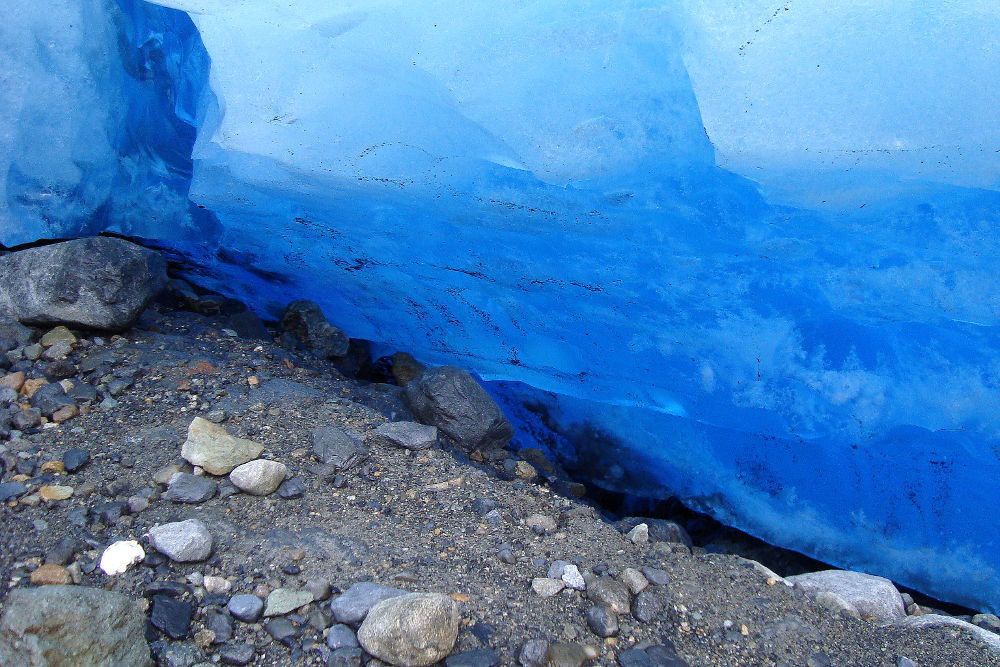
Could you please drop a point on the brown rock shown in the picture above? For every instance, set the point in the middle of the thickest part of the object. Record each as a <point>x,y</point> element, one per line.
<point>53,467</point>
<point>55,492</point>
<point>57,334</point>
<point>65,413</point>
<point>13,381</point>
<point>51,574</point>
<point>31,386</point>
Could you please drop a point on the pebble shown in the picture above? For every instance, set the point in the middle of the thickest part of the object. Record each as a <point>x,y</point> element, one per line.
<point>656,576</point>
<point>182,541</point>
<point>525,470</point>
<point>349,657</point>
<point>545,587</point>
<point>483,506</point>
<point>545,523</point>
<point>285,600</point>
<point>57,334</point>
<point>341,636</point>
<point>556,569</point>
<point>171,616</point>
<point>534,653</point>
<point>120,556</point>
<point>281,629</point>
<point>216,585</point>
<point>10,490</point>
<point>634,579</point>
<point>569,655</point>
<point>260,477</point>
<point>247,608</point>
<point>647,606</point>
<point>51,574</point>
<point>408,435</point>
<point>413,630</point>
<point>236,654</point>
<point>610,593</point>
<point>320,589</point>
<point>186,488</point>
<point>211,447</point>
<point>52,467</point>
<point>221,625</point>
<point>482,657</point>
<point>352,607</point>
<point>292,488</point>
<point>573,579</point>
<point>639,534</point>
<point>62,552</point>
<point>602,621</point>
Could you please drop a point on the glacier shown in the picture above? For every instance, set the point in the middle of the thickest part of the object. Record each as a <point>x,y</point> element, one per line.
<point>744,256</point>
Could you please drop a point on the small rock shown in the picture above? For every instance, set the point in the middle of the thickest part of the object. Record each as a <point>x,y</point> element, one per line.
<point>573,579</point>
<point>183,541</point>
<point>349,657</point>
<point>185,488</point>
<point>56,335</point>
<point>408,435</point>
<point>639,534</point>
<point>352,607</point>
<point>610,593</point>
<point>305,321</point>
<point>635,580</point>
<point>282,630</point>
<point>987,622</point>
<point>120,556</point>
<point>179,655</point>
<point>292,488</point>
<point>569,655</point>
<point>236,654</point>
<point>320,589</point>
<point>534,653</point>
<point>545,587</point>
<point>541,521</point>
<point>647,606</point>
<point>171,616</point>
<point>602,621</point>
<point>216,585</point>
<point>52,467</point>
<point>341,636</point>
<point>413,630</point>
<point>285,600</point>
<point>9,490</point>
<point>483,506</point>
<point>13,381</point>
<point>221,626</point>
<point>525,470</point>
<point>55,492</point>
<point>482,657</point>
<point>209,446</point>
<point>247,608</point>
<point>337,447</point>
<point>51,574</point>
<point>656,576</point>
<point>902,661</point>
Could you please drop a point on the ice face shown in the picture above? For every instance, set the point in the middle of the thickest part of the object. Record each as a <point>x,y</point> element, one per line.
<point>749,251</point>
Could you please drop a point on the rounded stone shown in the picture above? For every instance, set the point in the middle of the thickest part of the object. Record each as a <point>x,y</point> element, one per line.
<point>259,477</point>
<point>183,541</point>
<point>414,630</point>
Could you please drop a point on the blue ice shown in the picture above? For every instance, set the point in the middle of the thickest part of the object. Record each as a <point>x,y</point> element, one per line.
<point>755,246</point>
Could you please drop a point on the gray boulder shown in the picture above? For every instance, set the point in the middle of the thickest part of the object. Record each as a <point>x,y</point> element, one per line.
<point>93,283</point>
<point>305,320</point>
<point>72,625</point>
<point>451,399</point>
<point>875,598</point>
<point>413,630</point>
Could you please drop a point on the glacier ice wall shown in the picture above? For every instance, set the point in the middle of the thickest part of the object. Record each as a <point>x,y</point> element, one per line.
<point>749,250</point>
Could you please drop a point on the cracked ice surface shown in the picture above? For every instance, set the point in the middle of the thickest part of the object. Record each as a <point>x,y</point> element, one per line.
<point>754,249</point>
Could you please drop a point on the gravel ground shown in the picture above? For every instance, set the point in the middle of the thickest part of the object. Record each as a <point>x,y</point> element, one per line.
<point>402,518</point>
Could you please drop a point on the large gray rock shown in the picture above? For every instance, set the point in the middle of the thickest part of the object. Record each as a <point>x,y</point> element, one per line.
<point>305,320</point>
<point>451,399</point>
<point>989,639</point>
<point>182,541</point>
<point>352,607</point>
<point>875,598</point>
<point>413,630</point>
<point>209,445</point>
<point>259,477</point>
<point>94,283</point>
<point>72,625</point>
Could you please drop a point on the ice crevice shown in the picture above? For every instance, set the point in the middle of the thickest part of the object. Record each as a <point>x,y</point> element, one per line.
<point>750,266</point>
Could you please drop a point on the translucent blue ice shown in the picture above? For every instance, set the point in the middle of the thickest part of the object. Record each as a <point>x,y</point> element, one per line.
<point>753,250</point>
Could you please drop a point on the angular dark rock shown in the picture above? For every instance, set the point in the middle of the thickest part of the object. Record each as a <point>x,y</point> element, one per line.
<point>451,399</point>
<point>305,320</point>
<point>186,488</point>
<point>74,459</point>
<point>171,616</point>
